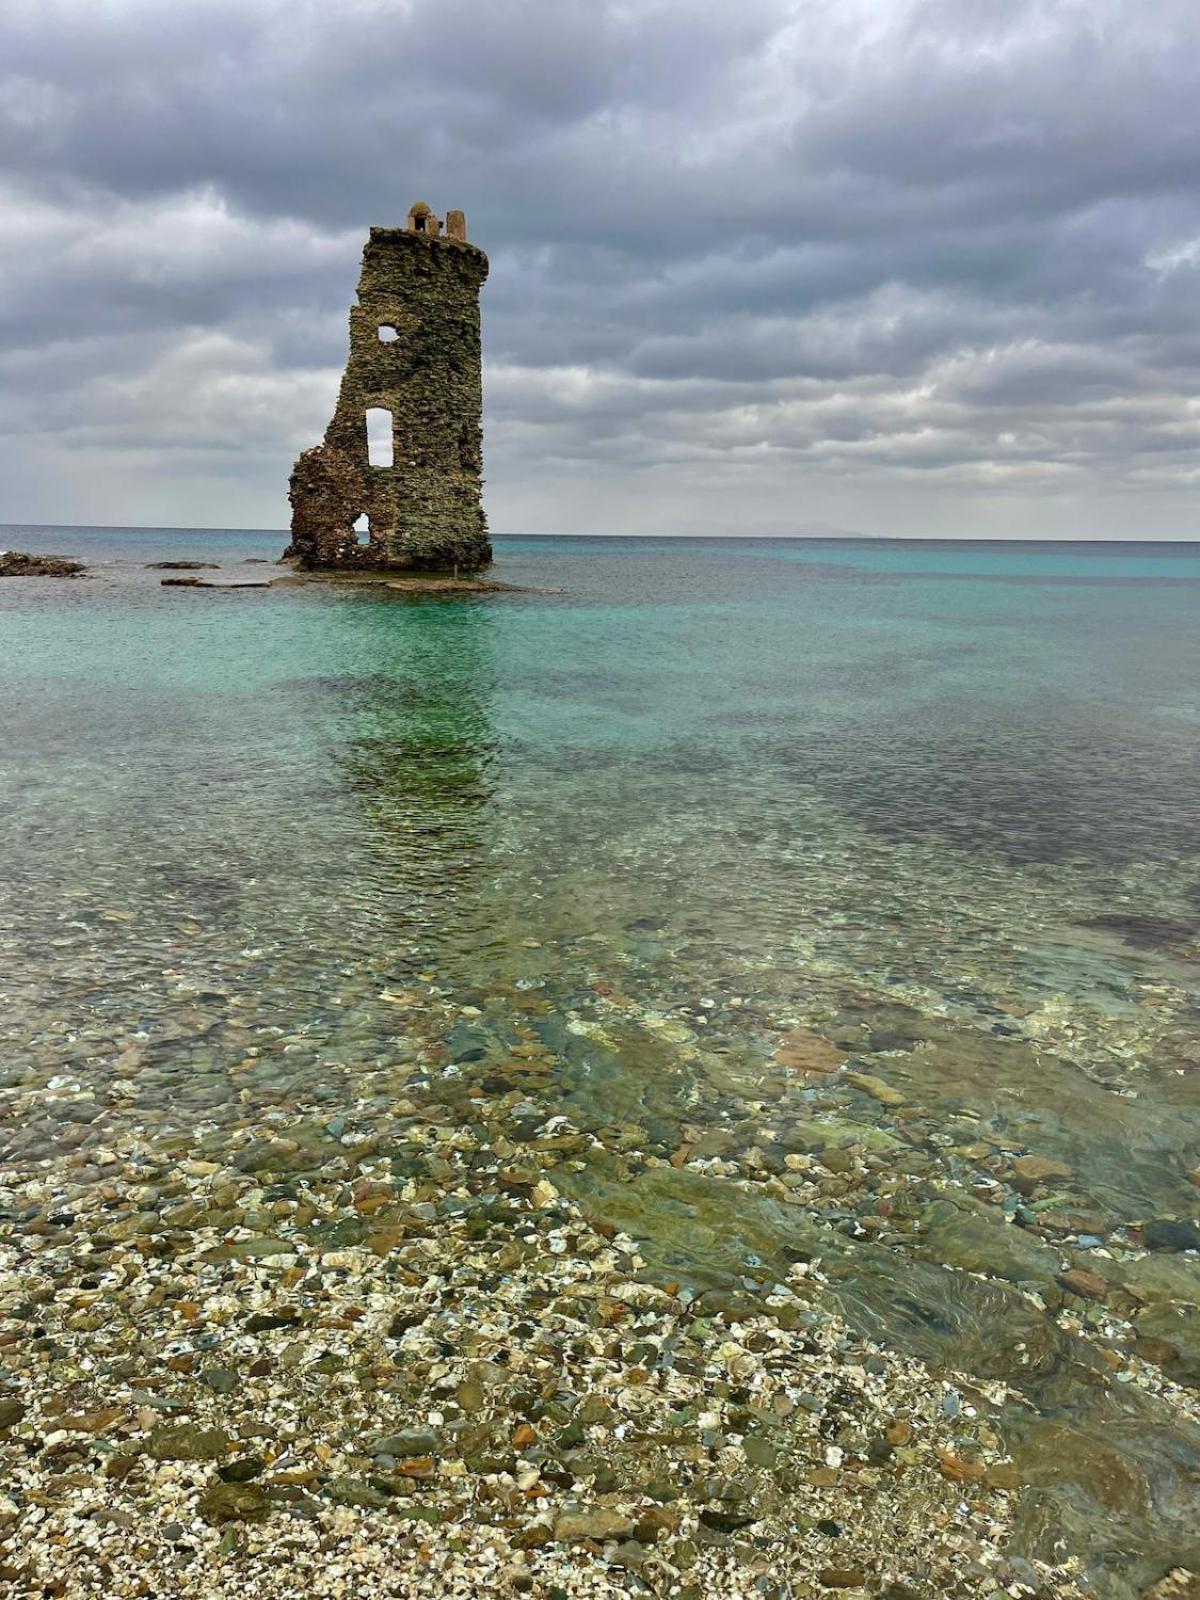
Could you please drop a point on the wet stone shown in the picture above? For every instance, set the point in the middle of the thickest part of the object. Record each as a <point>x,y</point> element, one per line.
<point>723,1520</point>
<point>1040,1169</point>
<point>234,1502</point>
<point>1089,1285</point>
<point>1168,1234</point>
<point>187,1442</point>
<point>11,1412</point>
<point>20,564</point>
<point>221,1380</point>
<point>352,1492</point>
<point>410,1442</point>
<point>269,1321</point>
<point>599,1524</point>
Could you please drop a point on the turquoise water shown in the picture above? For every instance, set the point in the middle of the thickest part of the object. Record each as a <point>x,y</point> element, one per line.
<point>936,801</point>
<point>949,773</point>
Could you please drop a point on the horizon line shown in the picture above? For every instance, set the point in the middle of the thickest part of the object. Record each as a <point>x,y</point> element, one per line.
<point>780,538</point>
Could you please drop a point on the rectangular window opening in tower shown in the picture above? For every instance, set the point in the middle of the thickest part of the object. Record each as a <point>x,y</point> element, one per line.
<point>379,436</point>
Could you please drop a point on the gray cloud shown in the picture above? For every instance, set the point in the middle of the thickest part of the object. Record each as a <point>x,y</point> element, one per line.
<point>906,265</point>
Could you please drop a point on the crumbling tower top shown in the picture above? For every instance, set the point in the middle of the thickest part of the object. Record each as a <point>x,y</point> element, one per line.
<point>421,219</point>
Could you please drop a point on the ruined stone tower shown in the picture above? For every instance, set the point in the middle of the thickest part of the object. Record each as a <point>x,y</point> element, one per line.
<point>397,481</point>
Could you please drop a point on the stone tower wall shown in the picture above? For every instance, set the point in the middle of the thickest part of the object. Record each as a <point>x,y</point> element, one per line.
<point>425,511</point>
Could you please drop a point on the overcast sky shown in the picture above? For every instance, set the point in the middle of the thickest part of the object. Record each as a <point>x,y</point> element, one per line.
<point>894,266</point>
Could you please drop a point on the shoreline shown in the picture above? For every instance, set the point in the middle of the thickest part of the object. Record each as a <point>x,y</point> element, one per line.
<point>397,1345</point>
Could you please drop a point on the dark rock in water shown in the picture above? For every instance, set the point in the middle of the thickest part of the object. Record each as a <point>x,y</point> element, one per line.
<point>185,1441</point>
<point>599,1524</point>
<point>1166,1234</point>
<point>20,564</point>
<point>221,1380</point>
<point>350,1492</point>
<point>234,1502</point>
<point>267,1321</point>
<point>1087,1285</point>
<point>725,1521</point>
<point>181,566</point>
<point>242,1470</point>
<point>1144,933</point>
<point>410,1442</point>
<point>403,1321</point>
<point>11,1412</point>
<point>964,1233</point>
<point>216,583</point>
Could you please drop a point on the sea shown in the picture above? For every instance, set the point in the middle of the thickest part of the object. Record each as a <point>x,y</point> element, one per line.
<point>936,802</point>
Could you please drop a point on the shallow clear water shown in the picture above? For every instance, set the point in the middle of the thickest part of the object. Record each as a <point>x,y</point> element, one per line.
<point>937,801</point>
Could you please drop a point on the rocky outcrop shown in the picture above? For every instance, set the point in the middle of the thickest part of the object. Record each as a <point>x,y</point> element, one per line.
<point>20,564</point>
<point>414,356</point>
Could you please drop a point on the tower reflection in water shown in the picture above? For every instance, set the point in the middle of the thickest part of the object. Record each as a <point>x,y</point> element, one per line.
<point>417,749</point>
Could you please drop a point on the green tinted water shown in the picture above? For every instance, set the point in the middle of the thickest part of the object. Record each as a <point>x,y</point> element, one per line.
<point>937,804</point>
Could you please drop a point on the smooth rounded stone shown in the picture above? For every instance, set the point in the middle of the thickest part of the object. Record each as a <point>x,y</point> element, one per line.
<point>965,1233</point>
<point>12,1411</point>
<point>1040,1169</point>
<point>234,1502</point>
<point>353,1492</point>
<point>878,1088</point>
<point>221,1380</point>
<point>187,1441</point>
<point>1087,1285</point>
<point>801,1050</point>
<point>409,1442</point>
<point>1165,1233</point>
<point>600,1524</point>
